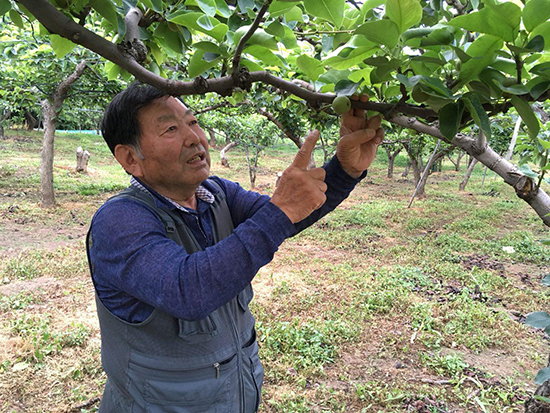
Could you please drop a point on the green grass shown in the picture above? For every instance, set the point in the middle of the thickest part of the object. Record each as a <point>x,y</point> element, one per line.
<point>372,286</point>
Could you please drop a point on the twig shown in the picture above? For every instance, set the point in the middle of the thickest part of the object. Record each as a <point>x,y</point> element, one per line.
<point>245,38</point>
<point>79,407</point>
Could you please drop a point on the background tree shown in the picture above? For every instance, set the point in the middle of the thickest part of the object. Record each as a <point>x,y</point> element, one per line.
<point>421,61</point>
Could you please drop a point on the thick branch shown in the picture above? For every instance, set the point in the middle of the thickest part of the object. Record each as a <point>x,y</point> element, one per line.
<point>61,90</point>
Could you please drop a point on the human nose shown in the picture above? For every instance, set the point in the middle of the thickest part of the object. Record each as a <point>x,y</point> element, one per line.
<point>192,139</point>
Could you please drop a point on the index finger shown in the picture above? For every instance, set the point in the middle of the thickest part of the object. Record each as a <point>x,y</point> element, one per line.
<point>304,154</point>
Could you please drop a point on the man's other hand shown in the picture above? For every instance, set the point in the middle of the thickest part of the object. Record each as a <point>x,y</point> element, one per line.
<point>359,139</point>
<point>301,191</point>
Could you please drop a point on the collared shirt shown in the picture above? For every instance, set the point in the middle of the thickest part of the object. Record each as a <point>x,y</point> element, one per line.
<point>138,268</point>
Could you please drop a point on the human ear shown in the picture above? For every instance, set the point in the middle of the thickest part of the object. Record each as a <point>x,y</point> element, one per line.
<point>129,159</point>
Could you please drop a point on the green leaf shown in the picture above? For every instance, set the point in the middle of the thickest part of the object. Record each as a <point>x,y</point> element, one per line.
<point>207,47</point>
<point>260,37</point>
<point>358,76</point>
<point>538,319</point>
<point>501,20</point>
<point>527,171</point>
<point>294,14</point>
<point>107,9</point>
<point>482,52</point>
<point>527,115</point>
<point>112,70</point>
<point>16,18</point>
<point>535,13</point>
<point>313,68</point>
<point>538,89</point>
<point>169,39</point>
<point>276,28</point>
<point>208,6</point>
<point>333,76</point>
<point>5,6</point>
<point>197,65</point>
<point>544,31</point>
<point>205,23</point>
<point>61,46</point>
<point>330,10</point>
<point>346,87</point>
<point>404,13</point>
<point>542,375</point>
<point>542,69</point>
<point>545,144</point>
<point>278,8</point>
<point>190,20</point>
<point>518,89</point>
<point>380,32</point>
<point>265,55</point>
<point>450,118</point>
<point>473,104</point>
<point>223,9</point>
<point>354,58</point>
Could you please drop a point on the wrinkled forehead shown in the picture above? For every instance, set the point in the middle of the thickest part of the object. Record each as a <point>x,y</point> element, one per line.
<point>164,108</point>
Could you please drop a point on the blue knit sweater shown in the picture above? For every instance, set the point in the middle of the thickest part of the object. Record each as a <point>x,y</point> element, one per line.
<point>137,268</point>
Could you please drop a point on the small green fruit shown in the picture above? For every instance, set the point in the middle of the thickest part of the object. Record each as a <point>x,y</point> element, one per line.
<point>341,104</point>
<point>318,47</point>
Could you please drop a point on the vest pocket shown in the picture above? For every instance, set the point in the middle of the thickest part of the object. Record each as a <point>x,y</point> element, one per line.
<point>253,376</point>
<point>245,297</point>
<point>198,331</point>
<point>209,389</point>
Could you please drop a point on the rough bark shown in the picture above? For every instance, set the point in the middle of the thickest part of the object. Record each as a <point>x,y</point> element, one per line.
<point>391,159</point>
<point>223,157</point>
<point>212,142</point>
<point>5,115</point>
<point>51,108</point>
<point>415,165</point>
<point>31,121</point>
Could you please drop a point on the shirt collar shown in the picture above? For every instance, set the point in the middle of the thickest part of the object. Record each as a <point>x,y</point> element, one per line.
<point>201,193</point>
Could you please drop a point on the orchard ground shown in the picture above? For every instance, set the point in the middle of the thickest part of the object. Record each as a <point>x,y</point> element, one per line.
<point>376,308</point>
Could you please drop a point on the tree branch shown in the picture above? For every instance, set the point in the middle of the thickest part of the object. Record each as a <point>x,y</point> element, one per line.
<point>245,38</point>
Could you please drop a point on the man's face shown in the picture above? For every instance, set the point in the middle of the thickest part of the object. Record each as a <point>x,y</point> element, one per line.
<point>174,148</point>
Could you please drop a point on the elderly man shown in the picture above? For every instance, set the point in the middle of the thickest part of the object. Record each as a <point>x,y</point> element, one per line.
<point>173,255</point>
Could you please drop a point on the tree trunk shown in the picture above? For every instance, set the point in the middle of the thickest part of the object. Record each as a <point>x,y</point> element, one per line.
<point>5,115</point>
<point>420,191</point>
<point>212,142</point>
<point>415,163</point>
<point>467,175</point>
<point>391,159</point>
<point>223,156</point>
<point>46,155</point>
<point>458,159</point>
<point>31,120</point>
<point>51,108</point>
<point>406,171</point>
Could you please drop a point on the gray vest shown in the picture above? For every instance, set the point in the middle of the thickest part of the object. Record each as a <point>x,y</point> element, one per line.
<point>169,365</point>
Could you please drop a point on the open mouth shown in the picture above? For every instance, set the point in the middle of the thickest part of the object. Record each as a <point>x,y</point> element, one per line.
<point>197,158</point>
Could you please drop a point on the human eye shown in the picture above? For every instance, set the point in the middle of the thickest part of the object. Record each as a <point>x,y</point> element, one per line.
<point>171,128</point>
<point>193,122</point>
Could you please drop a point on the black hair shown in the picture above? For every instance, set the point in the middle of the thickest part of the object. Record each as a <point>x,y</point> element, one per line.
<point>120,125</point>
